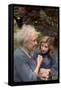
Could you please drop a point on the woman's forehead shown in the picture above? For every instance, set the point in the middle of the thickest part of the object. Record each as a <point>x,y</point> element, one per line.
<point>33,35</point>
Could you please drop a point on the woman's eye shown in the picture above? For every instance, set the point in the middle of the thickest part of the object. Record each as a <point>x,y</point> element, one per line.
<point>42,45</point>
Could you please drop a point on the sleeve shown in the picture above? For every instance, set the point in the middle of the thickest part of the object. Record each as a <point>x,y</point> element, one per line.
<point>23,70</point>
<point>54,69</point>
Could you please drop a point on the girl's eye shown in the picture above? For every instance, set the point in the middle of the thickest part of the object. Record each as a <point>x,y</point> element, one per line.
<point>46,46</point>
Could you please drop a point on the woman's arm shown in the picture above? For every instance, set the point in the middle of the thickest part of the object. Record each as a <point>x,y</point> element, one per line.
<point>24,71</point>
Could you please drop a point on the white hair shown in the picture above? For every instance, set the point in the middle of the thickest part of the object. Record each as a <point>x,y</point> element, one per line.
<point>25,33</point>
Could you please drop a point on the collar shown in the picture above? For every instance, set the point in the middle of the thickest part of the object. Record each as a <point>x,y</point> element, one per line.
<point>26,52</point>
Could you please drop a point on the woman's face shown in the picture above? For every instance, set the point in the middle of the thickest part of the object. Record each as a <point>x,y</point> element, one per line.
<point>44,48</point>
<point>32,42</point>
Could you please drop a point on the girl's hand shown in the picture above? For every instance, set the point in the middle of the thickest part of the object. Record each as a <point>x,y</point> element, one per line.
<point>39,60</point>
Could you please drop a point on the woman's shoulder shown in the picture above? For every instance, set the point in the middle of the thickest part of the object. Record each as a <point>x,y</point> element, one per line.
<point>20,56</point>
<point>18,52</point>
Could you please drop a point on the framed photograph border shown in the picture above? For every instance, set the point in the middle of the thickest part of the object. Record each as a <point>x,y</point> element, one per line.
<point>11,47</point>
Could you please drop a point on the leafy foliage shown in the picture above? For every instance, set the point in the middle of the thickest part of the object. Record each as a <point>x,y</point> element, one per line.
<point>44,19</point>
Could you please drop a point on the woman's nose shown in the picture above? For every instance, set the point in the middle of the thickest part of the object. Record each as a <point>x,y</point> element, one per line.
<point>35,42</point>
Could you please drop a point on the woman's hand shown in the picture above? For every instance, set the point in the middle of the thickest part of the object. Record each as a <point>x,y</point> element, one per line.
<point>44,74</point>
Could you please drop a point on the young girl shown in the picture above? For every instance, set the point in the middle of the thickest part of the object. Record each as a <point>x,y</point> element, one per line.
<point>48,64</point>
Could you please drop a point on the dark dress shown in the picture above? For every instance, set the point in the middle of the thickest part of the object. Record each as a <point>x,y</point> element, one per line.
<point>24,67</point>
<point>47,63</point>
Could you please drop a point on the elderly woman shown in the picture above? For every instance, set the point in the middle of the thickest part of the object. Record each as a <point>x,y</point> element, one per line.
<point>25,67</point>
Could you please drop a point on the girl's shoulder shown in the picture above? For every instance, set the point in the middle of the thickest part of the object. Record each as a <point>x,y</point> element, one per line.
<point>52,59</point>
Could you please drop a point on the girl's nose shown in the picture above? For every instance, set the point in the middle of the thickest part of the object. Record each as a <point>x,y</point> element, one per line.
<point>43,48</point>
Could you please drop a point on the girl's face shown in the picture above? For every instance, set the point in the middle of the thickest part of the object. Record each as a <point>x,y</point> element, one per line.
<point>44,48</point>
